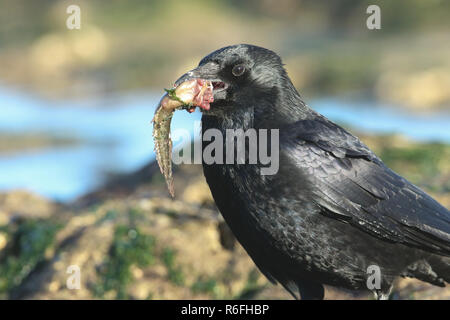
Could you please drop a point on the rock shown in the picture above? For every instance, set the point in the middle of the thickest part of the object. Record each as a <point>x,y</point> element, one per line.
<point>24,204</point>
<point>136,243</point>
<point>198,192</point>
<point>191,235</point>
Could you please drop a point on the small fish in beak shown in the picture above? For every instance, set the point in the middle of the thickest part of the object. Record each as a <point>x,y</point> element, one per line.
<point>187,95</point>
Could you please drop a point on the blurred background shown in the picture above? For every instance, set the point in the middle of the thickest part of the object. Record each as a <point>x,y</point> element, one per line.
<point>78,185</point>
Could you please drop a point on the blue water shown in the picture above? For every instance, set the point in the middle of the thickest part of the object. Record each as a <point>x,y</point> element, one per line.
<point>375,118</point>
<point>116,136</point>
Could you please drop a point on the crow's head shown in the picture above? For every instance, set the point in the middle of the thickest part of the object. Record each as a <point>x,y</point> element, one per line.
<point>247,78</point>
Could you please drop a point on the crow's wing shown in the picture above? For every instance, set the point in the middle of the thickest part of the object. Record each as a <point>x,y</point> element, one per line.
<point>352,184</point>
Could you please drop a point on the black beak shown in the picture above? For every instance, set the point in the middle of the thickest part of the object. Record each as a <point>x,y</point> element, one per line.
<point>208,71</point>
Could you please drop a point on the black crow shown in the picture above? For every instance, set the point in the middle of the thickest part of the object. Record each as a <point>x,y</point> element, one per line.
<point>333,213</point>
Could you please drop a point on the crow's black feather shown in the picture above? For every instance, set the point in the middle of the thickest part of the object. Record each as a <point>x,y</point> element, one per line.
<point>382,202</point>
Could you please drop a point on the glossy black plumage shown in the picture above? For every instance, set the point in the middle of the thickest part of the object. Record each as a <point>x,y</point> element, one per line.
<point>333,209</point>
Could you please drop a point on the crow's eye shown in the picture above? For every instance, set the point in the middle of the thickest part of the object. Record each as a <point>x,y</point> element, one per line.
<point>238,70</point>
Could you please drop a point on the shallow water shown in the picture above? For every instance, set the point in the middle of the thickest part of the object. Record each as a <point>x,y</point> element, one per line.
<point>116,136</point>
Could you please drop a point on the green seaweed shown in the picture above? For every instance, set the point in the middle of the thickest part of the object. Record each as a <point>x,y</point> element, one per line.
<point>129,247</point>
<point>205,285</point>
<point>174,273</point>
<point>421,164</point>
<point>26,250</point>
<point>108,216</point>
<point>251,287</point>
<point>134,216</point>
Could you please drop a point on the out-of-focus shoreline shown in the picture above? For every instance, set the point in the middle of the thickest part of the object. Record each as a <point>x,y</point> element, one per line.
<point>327,50</point>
